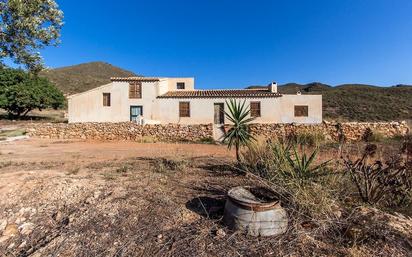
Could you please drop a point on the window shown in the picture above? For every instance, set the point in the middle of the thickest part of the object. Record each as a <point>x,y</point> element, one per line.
<point>180,85</point>
<point>106,99</point>
<point>255,109</point>
<point>135,90</point>
<point>184,109</point>
<point>301,111</point>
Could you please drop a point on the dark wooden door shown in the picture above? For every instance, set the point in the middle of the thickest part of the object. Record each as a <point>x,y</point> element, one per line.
<point>219,113</point>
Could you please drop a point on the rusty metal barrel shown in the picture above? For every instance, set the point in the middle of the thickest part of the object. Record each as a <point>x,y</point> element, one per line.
<point>255,210</point>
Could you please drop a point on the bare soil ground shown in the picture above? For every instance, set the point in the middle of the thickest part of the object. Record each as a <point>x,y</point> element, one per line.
<point>74,198</point>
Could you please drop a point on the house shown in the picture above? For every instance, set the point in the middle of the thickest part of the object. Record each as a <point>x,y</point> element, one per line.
<point>153,100</point>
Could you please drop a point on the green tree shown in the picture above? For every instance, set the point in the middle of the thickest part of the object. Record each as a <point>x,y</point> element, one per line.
<point>27,26</point>
<point>238,135</point>
<point>21,92</point>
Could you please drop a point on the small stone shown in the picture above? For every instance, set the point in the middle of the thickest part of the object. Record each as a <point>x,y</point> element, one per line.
<point>20,220</point>
<point>22,245</point>
<point>3,224</point>
<point>3,239</point>
<point>160,236</point>
<point>26,228</point>
<point>220,233</point>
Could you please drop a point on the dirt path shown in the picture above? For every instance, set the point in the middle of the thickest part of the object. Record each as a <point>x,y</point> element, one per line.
<point>64,150</point>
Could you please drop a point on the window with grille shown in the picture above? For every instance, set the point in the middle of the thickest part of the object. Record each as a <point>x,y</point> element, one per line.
<point>106,99</point>
<point>184,109</point>
<point>180,85</point>
<point>301,111</point>
<point>255,109</point>
<point>135,90</point>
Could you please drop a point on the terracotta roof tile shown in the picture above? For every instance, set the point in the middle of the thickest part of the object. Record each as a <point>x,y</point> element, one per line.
<point>134,79</point>
<point>224,93</point>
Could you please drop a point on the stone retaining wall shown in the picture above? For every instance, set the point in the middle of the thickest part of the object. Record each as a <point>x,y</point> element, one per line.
<point>121,131</point>
<point>353,131</point>
<point>195,133</point>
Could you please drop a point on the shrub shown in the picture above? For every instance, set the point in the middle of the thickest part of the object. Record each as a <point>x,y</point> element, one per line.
<point>377,182</point>
<point>13,133</point>
<point>73,170</point>
<point>207,140</point>
<point>265,158</point>
<point>148,139</point>
<point>163,165</point>
<point>123,169</point>
<point>372,136</point>
<point>308,138</point>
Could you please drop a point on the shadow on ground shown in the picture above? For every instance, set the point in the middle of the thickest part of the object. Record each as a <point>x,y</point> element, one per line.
<point>208,207</point>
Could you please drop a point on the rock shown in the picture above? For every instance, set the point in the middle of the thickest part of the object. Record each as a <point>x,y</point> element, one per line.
<point>20,220</point>
<point>159,238</point>
<point>3,224</point>
<point>4,239</point>
<point>220,233</point>
<point>26,228</point>
<point>22,245</point>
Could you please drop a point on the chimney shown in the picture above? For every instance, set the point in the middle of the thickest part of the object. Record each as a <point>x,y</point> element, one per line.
<point>273,87</point>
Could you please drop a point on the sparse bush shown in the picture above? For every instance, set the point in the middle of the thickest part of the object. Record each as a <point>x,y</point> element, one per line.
<point>370,135</point>
<point>265,158</point>
<point>207,140</point>
<point>148,139</point>
<point>73,170</point>
<point>306,138</point>
<point>379,182</point>
<point>13,133</point>
<point>163,165</point>
<point>123,169</point>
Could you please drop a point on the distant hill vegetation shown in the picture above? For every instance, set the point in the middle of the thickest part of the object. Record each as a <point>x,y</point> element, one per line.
<point>82,77</point>
<point>358,102</point>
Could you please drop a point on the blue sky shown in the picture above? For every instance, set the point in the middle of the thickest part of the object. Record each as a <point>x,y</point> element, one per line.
<point>228,44</point>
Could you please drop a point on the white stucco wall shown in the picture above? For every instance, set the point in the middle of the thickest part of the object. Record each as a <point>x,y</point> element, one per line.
<point>273,110</point>
<point>88,106</point>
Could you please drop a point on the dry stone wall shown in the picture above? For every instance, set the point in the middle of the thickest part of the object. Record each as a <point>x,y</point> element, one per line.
<point>353,131</point>
<point>195,133</point>
<point>121,131</point>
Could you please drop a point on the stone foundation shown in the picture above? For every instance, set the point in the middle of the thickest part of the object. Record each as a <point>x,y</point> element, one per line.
<point>195,133</point>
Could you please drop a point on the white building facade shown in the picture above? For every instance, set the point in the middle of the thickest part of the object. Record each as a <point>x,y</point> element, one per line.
<point>175,100</point>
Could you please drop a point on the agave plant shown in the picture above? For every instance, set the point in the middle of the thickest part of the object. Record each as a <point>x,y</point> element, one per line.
<point>301,165</point>
<point>238,135</point>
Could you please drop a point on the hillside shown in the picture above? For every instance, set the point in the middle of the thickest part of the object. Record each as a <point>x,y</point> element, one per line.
<point>357,102</point>
<point>82,77</point>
